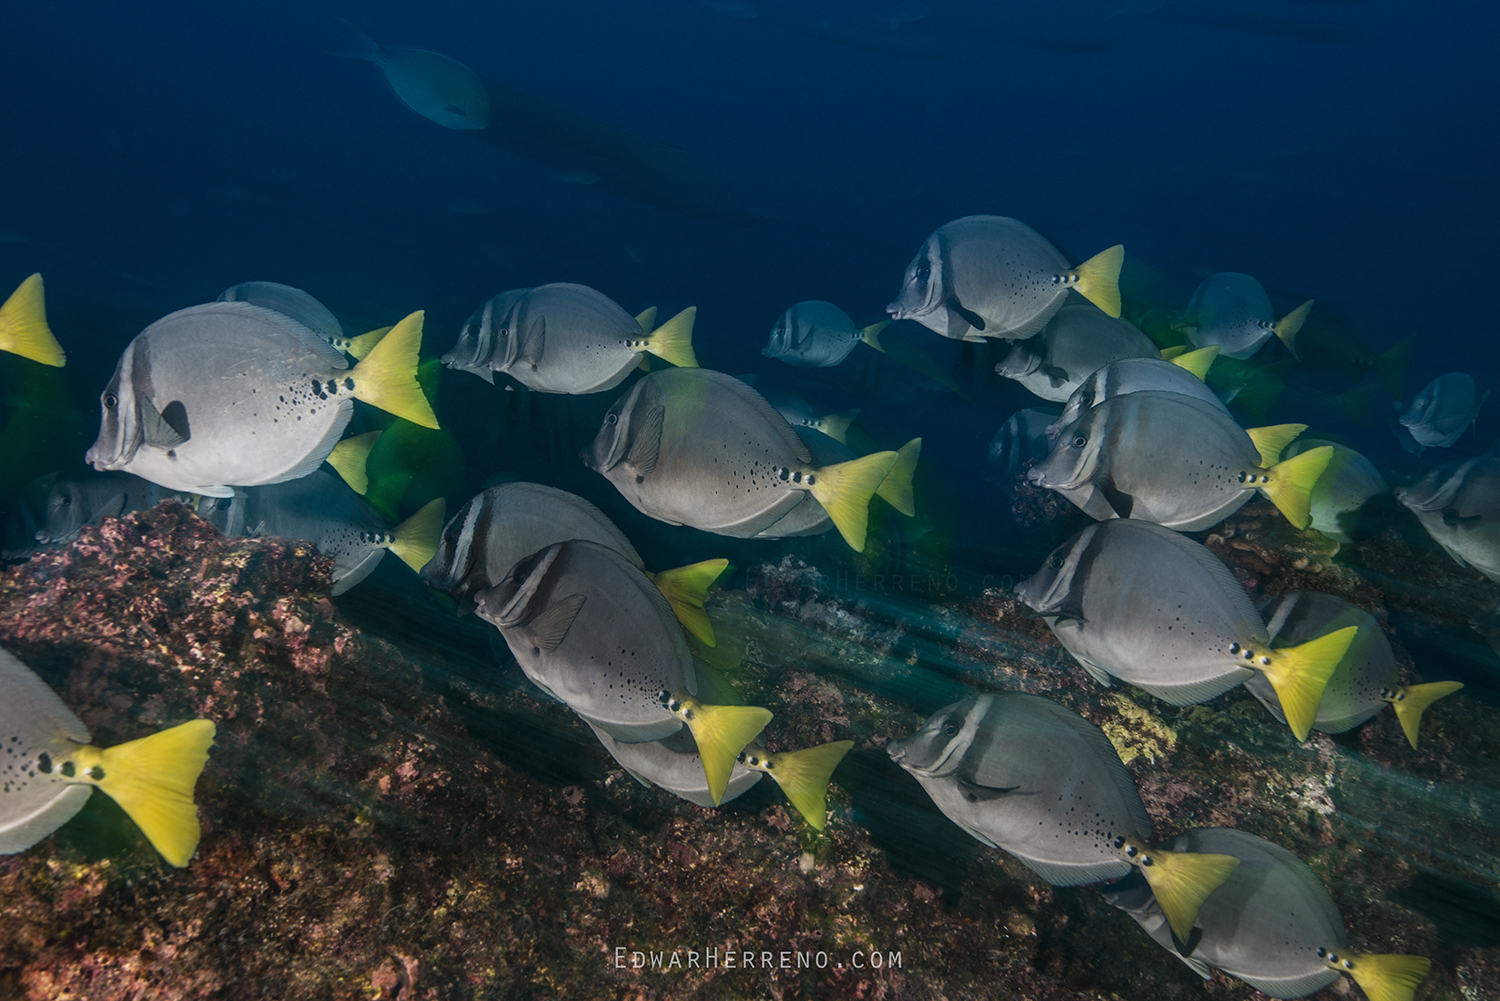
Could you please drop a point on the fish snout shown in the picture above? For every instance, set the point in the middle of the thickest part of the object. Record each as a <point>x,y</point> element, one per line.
<point>896,311</point>
<point>897,750</point>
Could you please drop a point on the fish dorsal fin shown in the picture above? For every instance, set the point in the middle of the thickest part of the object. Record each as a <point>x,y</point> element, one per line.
<point>645,446</point>
<point>548,630</point>
<point>768,413</point>
<point>155,430</point>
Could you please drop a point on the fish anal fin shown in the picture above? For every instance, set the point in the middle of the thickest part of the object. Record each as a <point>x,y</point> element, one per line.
<point>549,629</point>
<point>646,447</point>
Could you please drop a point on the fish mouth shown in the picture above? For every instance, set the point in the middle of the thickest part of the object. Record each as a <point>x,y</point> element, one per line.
<point>897,750</point>
<point>897,313</point>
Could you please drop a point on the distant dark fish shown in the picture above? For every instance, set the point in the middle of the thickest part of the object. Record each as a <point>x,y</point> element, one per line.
<point>23,325</point>
<point>73,503</point>
<point>306,310</point>
<point>1439,415</point>
<point>1232,312</point>
<point>435,86</point>
<point>1459,505</point>
<point>817,334</point>
<point>1344,500</point>
<point>49,770</point>
<point>986,276</point>
<point>1272,924</point>
<point>1020,442</point>
<point>1141,603</point>
<point>1022,773</point>
<point>1367,677</point>
<point>1079,340</point>
<point>231,394</point>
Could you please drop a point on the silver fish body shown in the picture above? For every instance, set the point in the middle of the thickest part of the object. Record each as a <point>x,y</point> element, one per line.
<point>1343,499</point>
<point>36,730</point>
<point>593,631</point>
<point>673,764</point>
<point>288,301</point>
<point>1154,456</point>
<point>1264,925</point>
<point>1135,601</point>
<point>1230,310</point>
<point>1367,674</point>
<point>478,349</point>
<point>984,276</point>
<point>1021,773</point>
<point>1132,375</point>
<point>812,334</point>
<point>1440,413</point>
<point>1459,505</point>
<point>1078,341</point>
<point>563,338</point>
<point>504,524</point>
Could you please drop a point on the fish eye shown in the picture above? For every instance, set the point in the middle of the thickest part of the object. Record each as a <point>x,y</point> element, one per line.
<point>924,270</point>
<point>504,332</point>
<point>950,729</point>
<point>111,401</point>
<point>1080,440</point>
<point>1087,399</point>
<point>66,500</point>
<point>612,418</point>
<point>1056,562</point>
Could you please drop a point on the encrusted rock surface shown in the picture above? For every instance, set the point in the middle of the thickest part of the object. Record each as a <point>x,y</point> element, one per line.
<point>385,821</point>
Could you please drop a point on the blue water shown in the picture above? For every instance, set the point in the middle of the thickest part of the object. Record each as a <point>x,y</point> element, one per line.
<point>1340,150</point>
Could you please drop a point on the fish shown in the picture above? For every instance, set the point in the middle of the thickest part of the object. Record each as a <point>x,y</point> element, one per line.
<point>1141,603</point>
<point>567,338</point>
<point>321,509</point>
<point>674,765</point>
<point>1183,375</point>
<point>1271,924</point>
<point>1175,461</point>
<point>1366,679</point>
<point>306,310</point>
<point>1440,414</point>
<point>435,86</point>
<point>817,334</point>
<point>50,769</point>
<point>810,518</point>
<point>1079,340</point>
<point>1021,773</point>
<point>1459,505</point>
<point>1021,442</point>
<point>1344,504</point>
<point>1231,311</point>
<point>75,502</point>
<point>696,447</point>
<point>23,325</point>
<point>504,524</point>
<point>592,631</point>
<point>800,412</point>
<point>230,394</point>
<point>986,276</point>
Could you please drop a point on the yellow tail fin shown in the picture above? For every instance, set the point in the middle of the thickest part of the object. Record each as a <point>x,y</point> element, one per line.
<point>1196,362</point>
<point>1292,481</point>
<point>1287,327</point>
<point>1269,441</point>
<point>836,426</point>
<point>686,589</point>
<point>360,347</point>
<point>721,733</point>
<point>387,377</point>
<point>1411,701</point>
<point>1174,352</point>
<point>152,779</point>
<point>871,334</point>
<point>895,489</point>
<point>417,537</point>
<point>1384,976</point>
<point>1182,881</point>
<point>1099,279</point>
<point>803,775</point>
<point>23,325</point>
<point>673,340</point>
<point>348,459</point>
<point>1300,673</point>
<point>845,489</point>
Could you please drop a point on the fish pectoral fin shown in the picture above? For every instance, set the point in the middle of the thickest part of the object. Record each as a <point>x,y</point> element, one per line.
<point>1185,949</point>
<point>646,448</point>
<point>548,630</point>
<point>157,430</point>
<point>1056,376</point>
<point>533,341</point>
<point>1119,501</point>
<point>152,779</point>
<point>970,317</point>
<point>976,793</point>
<point>113,507</point>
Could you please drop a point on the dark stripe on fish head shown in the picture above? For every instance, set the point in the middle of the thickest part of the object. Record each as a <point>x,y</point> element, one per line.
<point>1056,588</point>
<point>943,742</point>
<point>120,433</point>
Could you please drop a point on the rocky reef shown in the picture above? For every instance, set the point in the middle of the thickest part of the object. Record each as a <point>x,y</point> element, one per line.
<point>395,814</point>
